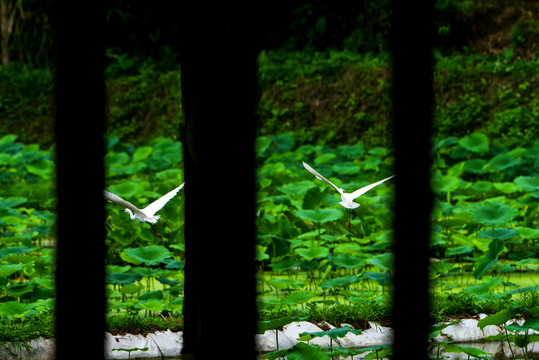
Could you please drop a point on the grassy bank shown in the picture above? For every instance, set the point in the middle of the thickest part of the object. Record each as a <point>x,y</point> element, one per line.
<point>332,97</point>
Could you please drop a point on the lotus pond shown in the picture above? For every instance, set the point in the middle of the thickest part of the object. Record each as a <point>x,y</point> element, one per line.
<point>484,230</point>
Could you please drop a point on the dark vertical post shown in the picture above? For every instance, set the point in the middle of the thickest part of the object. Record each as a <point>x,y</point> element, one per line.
<point>218,78</point>
<point>410,43</point>
<point>79,112</point>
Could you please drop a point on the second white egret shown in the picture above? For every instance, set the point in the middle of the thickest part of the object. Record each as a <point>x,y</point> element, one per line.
<point>347,198</point>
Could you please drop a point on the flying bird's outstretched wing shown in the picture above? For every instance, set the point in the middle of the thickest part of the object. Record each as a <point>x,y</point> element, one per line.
<point>154,207</point>
<point>113,198</point>
<point>364,189</point>
<point>320,177</point>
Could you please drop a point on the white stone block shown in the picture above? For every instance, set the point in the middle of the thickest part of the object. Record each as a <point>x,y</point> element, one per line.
<point>162,343</point>
<point>293,331</point>
<point>374,335</point>
<point>267,342</point>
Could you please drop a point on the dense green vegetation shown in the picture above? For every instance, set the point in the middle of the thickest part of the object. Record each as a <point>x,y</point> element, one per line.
<point>310,265</point>
<point>340,97</point>
<point>325,99</point>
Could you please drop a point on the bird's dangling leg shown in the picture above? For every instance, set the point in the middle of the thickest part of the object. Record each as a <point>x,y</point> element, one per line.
<point>348,218</point>
<point>156,232</point>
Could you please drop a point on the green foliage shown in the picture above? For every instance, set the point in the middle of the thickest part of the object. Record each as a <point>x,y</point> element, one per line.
<point>493,213</point>
<point>334,334</point>
<point>468,350</point>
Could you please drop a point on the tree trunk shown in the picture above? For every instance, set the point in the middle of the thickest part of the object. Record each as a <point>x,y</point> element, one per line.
<point>7,18</point>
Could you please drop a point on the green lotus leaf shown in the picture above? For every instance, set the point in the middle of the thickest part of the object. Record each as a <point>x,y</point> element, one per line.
<point>502,234</point>
<point>152,305</point>
<point>286,283</point>
<point>174,264</point>
<point>284,264</point>
<point>381,278</point>
<point>468,350</point>
<point>130,349</point>
<point>14,309</point>
<point>324,158</point>
<point>132,168</point>
<point>351,151</point>
<point>284,142</point>
<point>506,187</point>
<point>9,269</point>
<point>372,162</point>
<point>489,258</point>
<point>46,283</point>
<point>482,186</point>
<point>260,253</point>
<point>302,351</point>
<point>484,288</point>
<point>528,233</point>
<point>152,295</point>
<point>528,183</point>
<point>339,282</point>
<point>131,289</point>
<point>475,166</point>
<point>11,220</point>
<point>6,159</point>
<point>347,261</point>
<point>18,290</point>
<point>261,144</point>
<point>128,190</point>
<point>169,282</point>
<point>312,253</point>
<point>122,278</point>
<point>297,188</point>
<point>142,153</point>
<point>149,255</point>
<point>273,324</point>
<point>493,213</point>
<point>530,323</point>
<point>346,168</point>
<point>165,147</point>
<point>383,261</point>
<point>499,318</point>
<point>333,333</point>
<point>320,215</point>
<point>113,159</point>
<point>117,268</point>
<point>43,168</point>
<point>11,202</point>
<point>477,143</point>
<point>169,174</point>
<point>445,183</point>
<point>460,250</point>
<point>7,139</point>
<point>503,161</point>
<point>313,199</point>
<point>297,297</point>
<point>15,250</point>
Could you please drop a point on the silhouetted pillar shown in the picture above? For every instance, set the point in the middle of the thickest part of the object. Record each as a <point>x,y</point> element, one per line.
<point>218,78</point>
<point>79,114</point>
<point>410,44</point>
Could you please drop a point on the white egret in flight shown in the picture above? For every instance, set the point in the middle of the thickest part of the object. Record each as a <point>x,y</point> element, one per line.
<point>147,214</point>
<point>347,198</point>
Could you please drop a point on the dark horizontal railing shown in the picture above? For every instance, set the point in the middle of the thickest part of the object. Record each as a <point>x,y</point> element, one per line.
<point>219,92</point>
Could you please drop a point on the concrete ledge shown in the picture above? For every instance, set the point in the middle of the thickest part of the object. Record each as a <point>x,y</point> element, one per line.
<point>168,344</point>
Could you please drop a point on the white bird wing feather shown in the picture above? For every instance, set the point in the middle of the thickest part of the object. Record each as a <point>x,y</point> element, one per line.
<point>154,207</point>
<point>363,190</point>
<point>320,177</point>
<point>113,198</point>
